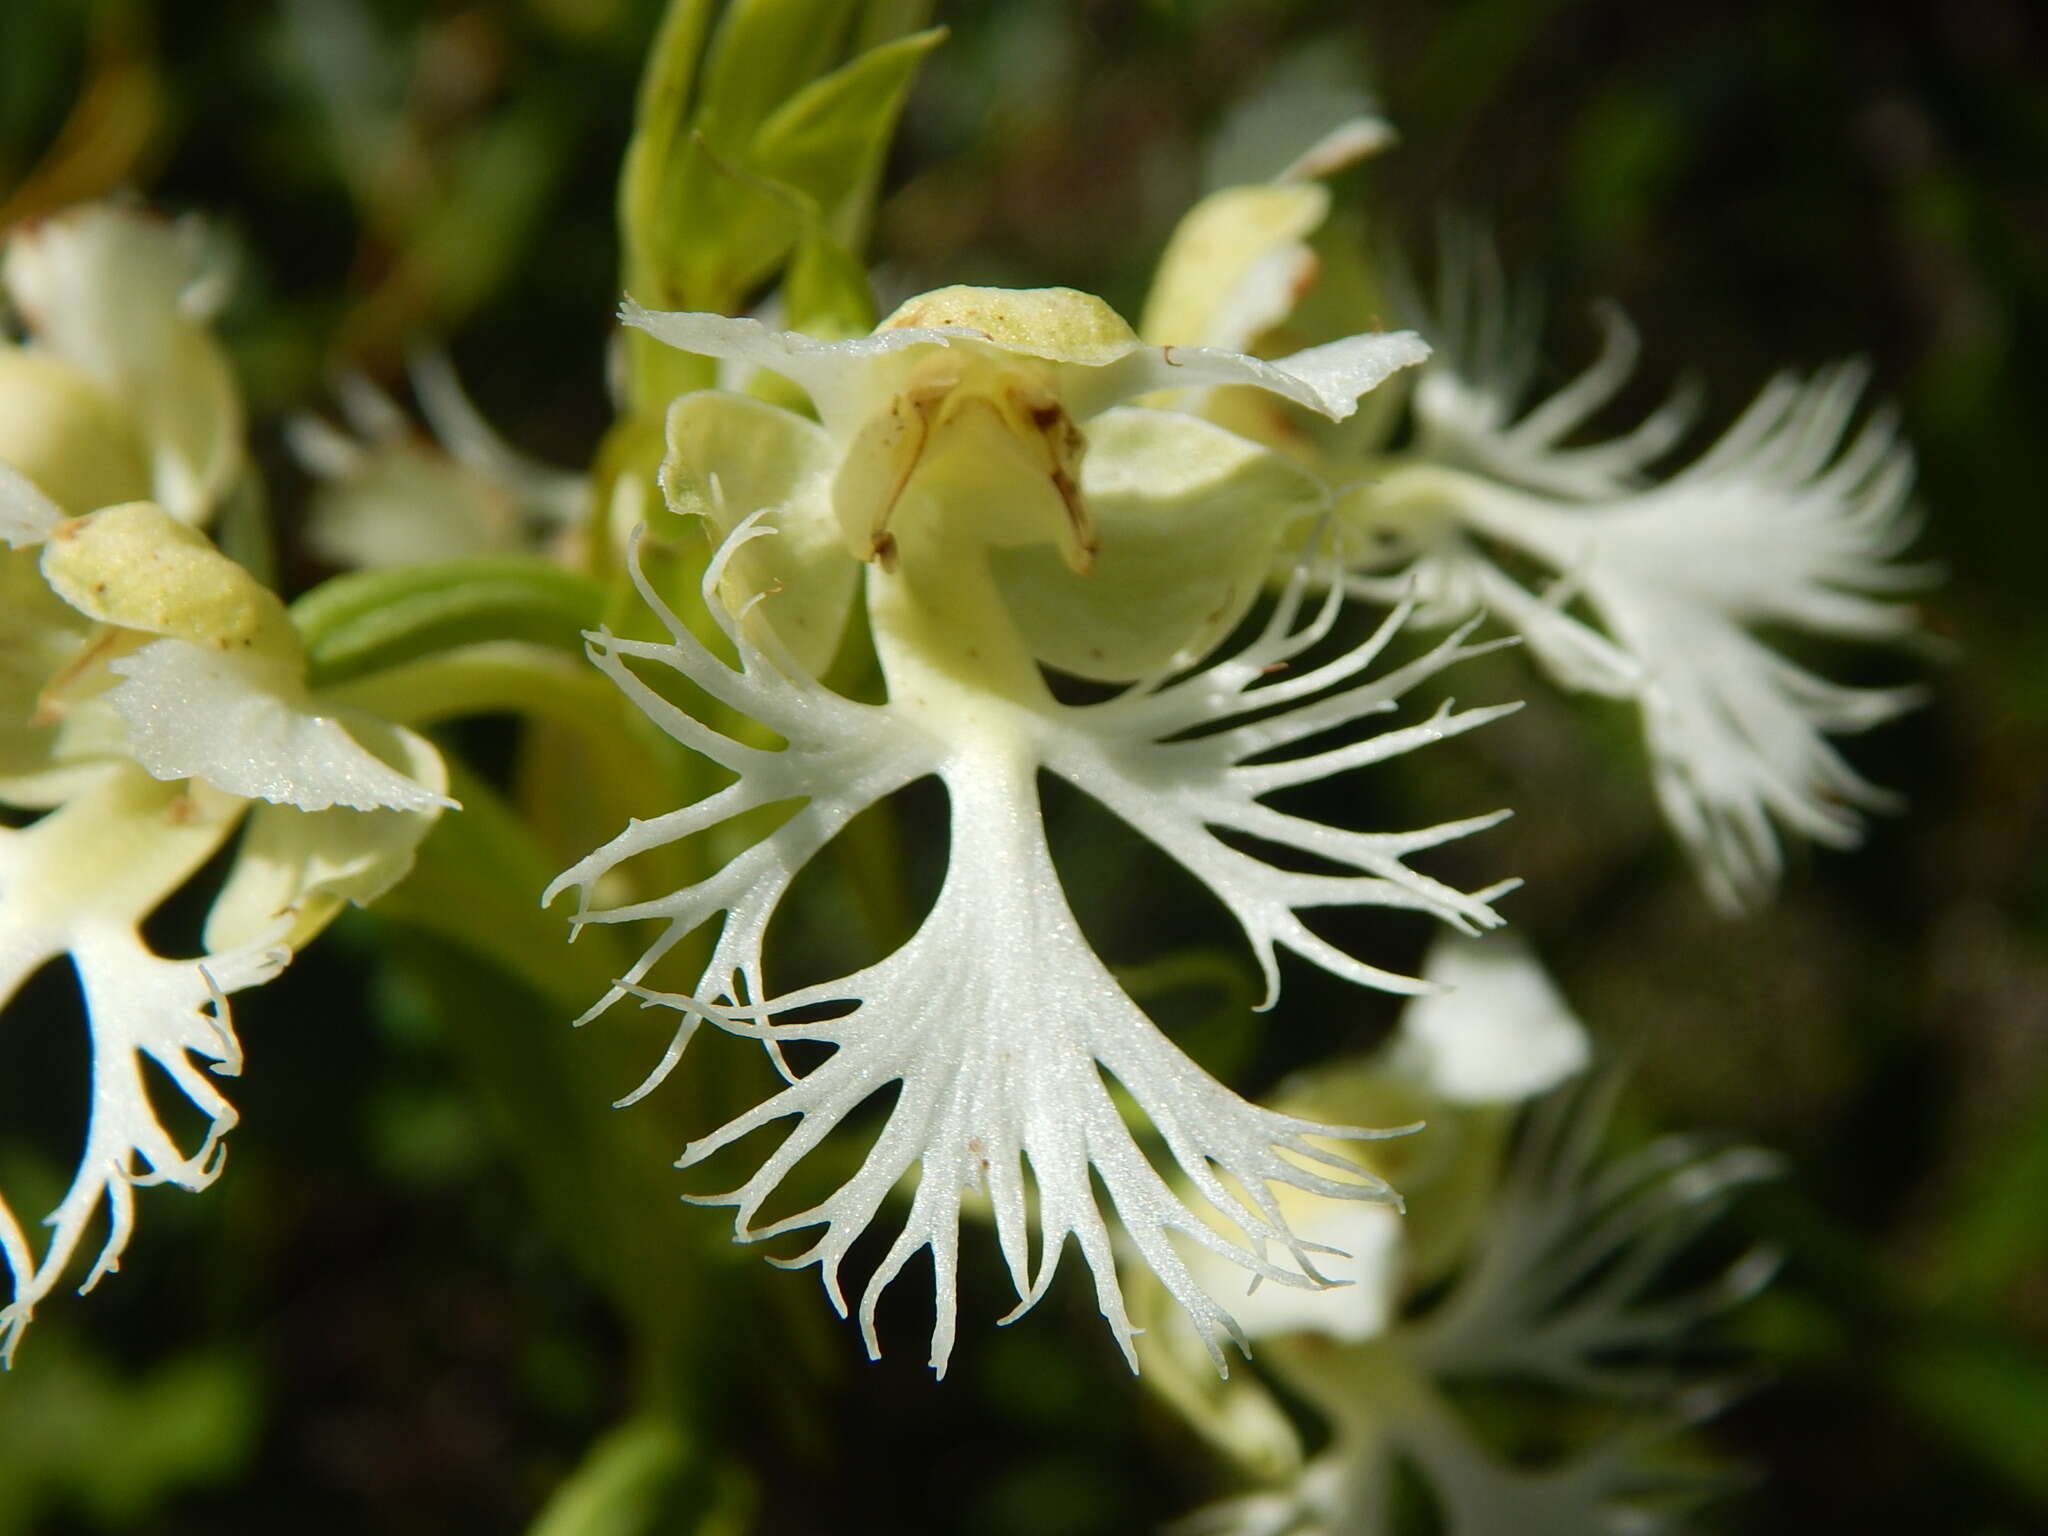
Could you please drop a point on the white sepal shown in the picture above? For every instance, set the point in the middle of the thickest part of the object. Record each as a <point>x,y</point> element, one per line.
<point>305,866</point>
<point>848,379</point>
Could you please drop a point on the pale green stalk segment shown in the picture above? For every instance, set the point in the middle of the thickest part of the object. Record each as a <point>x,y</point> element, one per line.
<point>369,620</point>
<point>661,120</point>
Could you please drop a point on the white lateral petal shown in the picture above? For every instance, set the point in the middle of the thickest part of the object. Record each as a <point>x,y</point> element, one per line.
<point>240,722</point>
<point>730,456</point>
<point>1188,516</point>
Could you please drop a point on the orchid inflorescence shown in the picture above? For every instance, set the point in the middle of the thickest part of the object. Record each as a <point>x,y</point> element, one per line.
<point>993,493</point>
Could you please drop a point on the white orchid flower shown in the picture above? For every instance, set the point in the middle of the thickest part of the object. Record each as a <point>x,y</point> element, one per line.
<point>996,386</point>
<point>1652,589</point>
<point>119,391</point>
<point>950,459</point>
<point>1655,589</point>
<point>1555,1276</point>
<point>154,701</point>
<point>391,495</point>
<point>1492,1033</point>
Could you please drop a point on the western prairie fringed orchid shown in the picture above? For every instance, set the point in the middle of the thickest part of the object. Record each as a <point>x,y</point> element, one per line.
<point>1651,588</point>
<point>157,703</point>
<point>1529,1258</point>
<point>950,464</point>
<point>1127,647</point>
<point>1655,587</point>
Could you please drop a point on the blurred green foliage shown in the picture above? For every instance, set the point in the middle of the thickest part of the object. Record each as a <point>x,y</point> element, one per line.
<point>326,1345</point>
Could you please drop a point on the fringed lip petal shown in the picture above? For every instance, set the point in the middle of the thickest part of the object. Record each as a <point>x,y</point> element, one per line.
<point>1188,516</point>
<point>999,1023</point>
<point>79,883</point>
